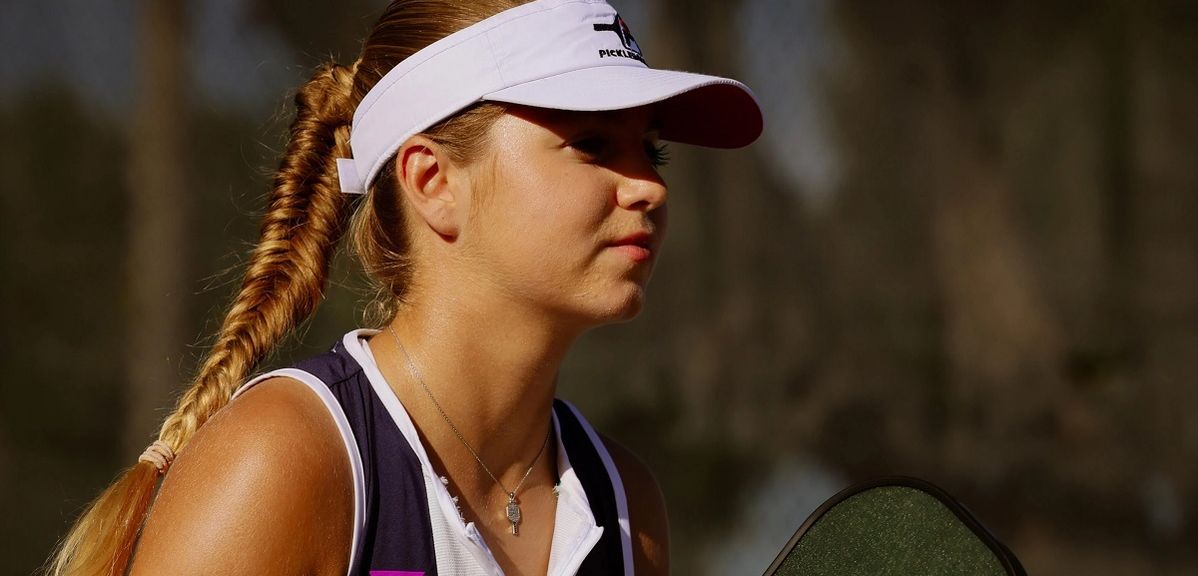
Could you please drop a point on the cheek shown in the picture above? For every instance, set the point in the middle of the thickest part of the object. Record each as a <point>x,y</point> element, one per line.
<point>661,221</point>
<point>544,208</point>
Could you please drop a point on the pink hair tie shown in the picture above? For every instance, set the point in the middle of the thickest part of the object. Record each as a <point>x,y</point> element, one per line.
<point>159,454</point>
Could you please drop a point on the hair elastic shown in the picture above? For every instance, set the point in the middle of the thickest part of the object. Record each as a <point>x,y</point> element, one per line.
<point>159,454</point>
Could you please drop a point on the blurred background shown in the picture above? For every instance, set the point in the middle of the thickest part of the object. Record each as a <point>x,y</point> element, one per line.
<point>964,249</point>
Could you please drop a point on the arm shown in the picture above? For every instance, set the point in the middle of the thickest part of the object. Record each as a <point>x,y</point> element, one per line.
<point>264,487</point>
<point>646,511</point>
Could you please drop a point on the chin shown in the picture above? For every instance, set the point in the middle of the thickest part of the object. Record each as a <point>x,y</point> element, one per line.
<point>613,303</point>
<point>622,308</point>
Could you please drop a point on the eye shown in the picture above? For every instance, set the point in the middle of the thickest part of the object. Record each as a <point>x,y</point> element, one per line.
<point>659,154</point>
<point>594,148</point>
<point>598,148</point>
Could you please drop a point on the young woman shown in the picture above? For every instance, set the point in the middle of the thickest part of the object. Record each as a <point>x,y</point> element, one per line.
<point>507,154</point>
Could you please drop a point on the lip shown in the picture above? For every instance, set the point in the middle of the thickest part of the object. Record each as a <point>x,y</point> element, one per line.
<point>639,246</point>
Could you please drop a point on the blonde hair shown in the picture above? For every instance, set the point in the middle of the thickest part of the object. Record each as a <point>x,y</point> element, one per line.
<point>284,282</point>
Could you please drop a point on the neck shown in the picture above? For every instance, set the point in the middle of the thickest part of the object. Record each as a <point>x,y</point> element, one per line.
<point>493,371</point>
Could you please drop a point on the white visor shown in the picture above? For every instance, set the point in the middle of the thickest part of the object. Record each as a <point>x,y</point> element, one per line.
<point>560,54</point>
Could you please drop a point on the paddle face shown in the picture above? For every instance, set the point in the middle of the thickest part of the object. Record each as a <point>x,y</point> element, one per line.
<point>893,526</point>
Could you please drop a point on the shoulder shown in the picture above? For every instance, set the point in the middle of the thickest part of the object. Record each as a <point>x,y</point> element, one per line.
<point>646,509</point>
<point>263,487</point>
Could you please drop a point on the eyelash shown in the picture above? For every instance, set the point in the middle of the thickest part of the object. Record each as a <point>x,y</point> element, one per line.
<point>595,147</point>
<point>659,154</point>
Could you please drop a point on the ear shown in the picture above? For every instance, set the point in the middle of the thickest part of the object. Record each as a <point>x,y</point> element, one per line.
<point>433,185</point>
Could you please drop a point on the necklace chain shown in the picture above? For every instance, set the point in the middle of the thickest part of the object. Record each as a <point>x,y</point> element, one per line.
<point>513,509</point>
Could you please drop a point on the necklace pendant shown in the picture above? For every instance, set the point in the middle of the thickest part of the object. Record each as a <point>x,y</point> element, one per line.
<point>513,513</point>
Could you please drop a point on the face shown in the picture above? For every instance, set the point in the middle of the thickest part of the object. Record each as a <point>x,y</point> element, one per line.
<point>569,211</point>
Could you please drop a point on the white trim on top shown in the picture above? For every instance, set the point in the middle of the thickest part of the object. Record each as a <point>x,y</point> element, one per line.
<point>466,531</point>
<point>347,436</point>
<point>617,486</point>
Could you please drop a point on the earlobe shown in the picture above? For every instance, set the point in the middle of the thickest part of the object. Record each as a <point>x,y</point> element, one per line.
<point>424,173</point>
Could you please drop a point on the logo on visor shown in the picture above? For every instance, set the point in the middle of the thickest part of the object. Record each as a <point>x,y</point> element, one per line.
<point>620,28</point>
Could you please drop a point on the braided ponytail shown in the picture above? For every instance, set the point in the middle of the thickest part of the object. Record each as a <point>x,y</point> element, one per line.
<point>283,285</point>
<point>285,280</point>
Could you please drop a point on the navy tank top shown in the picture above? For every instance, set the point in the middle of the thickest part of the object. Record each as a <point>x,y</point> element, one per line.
<point>403,520</point>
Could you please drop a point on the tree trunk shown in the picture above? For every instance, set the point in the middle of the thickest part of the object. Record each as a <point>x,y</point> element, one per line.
<point>157,232</point>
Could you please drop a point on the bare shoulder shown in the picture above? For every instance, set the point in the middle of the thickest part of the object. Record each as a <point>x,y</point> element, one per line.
<point>646,510</point>
<point>264,487</point>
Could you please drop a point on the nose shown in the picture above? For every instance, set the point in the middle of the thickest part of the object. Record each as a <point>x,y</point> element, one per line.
<point>644,192</point>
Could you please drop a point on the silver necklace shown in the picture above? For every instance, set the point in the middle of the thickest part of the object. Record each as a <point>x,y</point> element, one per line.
<point>513,505</point>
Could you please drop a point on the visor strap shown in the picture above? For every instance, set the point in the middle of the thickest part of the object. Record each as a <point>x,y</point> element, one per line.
<point>347,176</point>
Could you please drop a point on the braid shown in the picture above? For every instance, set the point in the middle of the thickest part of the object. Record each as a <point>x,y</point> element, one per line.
<point>283,285</point>
<point>287,272</point>
<point>285,279</point>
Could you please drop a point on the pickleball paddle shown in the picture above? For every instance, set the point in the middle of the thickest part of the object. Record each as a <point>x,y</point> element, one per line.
<point>894,526</point>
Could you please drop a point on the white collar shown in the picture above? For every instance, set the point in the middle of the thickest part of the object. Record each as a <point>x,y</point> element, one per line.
<point>575,531</point>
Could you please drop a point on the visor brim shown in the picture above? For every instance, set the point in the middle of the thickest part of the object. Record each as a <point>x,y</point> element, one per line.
<point>694,108</point>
